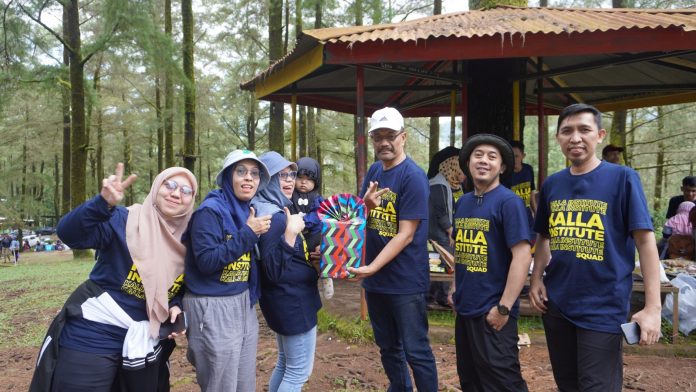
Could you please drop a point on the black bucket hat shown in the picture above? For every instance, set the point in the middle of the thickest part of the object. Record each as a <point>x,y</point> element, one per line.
<point>486,138</point>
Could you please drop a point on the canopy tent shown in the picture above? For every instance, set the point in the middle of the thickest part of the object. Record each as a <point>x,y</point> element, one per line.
<point>611,58</point>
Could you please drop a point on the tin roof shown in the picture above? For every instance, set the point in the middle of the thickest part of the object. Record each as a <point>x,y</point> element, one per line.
<point>613,58</point>
<point>512,20</point>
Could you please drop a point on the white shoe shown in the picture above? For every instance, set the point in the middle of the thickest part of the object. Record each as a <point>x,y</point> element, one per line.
<point>327,287</point>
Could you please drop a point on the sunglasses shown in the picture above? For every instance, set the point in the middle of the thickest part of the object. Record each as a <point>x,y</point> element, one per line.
<point>242,171</point>
<point>183,189</point>
<point>381,138</point>
<point>288,176</point>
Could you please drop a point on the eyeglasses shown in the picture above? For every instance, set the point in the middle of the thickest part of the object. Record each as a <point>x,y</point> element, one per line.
<point>288,176</point>
<point>242,171</point>
<point>389,138</point>
<point>173,185</point>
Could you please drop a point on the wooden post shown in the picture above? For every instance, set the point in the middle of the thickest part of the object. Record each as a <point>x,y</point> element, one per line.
<point>516,111</point>
<point>541,127</point>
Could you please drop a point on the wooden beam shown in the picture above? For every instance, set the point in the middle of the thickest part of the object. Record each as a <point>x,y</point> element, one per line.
<point>291,72</point>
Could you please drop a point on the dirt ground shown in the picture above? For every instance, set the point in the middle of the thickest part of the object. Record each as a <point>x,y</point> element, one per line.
<point>340,366</point>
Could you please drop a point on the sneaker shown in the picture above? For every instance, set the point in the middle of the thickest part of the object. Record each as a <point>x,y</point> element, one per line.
<point>327,287</point>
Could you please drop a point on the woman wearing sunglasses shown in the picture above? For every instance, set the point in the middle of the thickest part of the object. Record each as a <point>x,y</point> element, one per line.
<point>108,333</point>
<point>222,280</point>
<point>289,295</point>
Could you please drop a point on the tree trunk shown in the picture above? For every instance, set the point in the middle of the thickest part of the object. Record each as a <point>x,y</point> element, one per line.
<point>659,165</point>
<point>189,87</point>
<point>65,97</point>
<point>56,188</point>
<point>251,123</point>
<point>77,104</point>
<point>97,154</point>
<point>168,95</point>
<point>275,52</point>
<point>127,163</point>
<point>160,125</point>
<point>302,131</point>
<point>311,134</point>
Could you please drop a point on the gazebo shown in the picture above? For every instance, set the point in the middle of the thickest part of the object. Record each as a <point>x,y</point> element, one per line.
<point>491,67</point>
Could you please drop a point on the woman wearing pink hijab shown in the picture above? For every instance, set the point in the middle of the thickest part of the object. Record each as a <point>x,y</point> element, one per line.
<point>679,224</point>
<point>107,333</point>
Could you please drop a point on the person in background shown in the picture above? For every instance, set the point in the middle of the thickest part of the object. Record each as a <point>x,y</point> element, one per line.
<point>688,189</point>
<point>521,181</point>
<point>14,250</point>
<point>590,219</point>
<point>445,179</point>
<point>289,295</point>
<point>396,275</point>
<point>612,154</point>
<point>222,282</point>
<point>107,334</point>
<point>306,199</point>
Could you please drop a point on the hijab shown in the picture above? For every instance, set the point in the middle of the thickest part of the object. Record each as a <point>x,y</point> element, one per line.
<point>449,168</point>
<point>680,223</point>
<point>271,199</point>
<point>154,243</point>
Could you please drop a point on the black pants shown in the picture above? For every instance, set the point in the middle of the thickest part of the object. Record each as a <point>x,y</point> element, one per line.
<point>78,371</point>
<point>583,360</point>
<point>487,360</point>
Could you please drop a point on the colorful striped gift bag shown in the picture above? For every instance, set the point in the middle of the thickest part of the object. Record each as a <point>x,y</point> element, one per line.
<point>343,219</point>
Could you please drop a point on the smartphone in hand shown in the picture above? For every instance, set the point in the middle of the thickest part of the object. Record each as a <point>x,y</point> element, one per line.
<point>631,332</point>
<point>180,324</point>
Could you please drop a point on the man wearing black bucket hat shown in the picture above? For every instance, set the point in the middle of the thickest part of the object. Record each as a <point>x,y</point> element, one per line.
<point>492,254</point>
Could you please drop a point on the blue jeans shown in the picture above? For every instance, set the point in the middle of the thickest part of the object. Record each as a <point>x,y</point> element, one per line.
<point>295,361</point>
<point>400,324</point>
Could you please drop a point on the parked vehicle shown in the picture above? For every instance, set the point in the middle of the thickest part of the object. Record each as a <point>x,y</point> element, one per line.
<point>33,239</point>
<point>48,230</point>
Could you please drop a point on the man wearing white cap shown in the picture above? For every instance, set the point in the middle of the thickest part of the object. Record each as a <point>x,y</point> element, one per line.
<point>396,276</point>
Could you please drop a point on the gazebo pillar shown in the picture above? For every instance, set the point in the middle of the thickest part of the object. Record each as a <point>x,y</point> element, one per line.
<point>360,147</point>
<point>542,134</point>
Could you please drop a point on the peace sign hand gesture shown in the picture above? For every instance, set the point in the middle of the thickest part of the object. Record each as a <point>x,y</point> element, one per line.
<point>373,197</point>
<point>113,186</point>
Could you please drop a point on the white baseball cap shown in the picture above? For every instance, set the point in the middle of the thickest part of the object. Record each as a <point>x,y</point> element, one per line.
<point>388,118</point>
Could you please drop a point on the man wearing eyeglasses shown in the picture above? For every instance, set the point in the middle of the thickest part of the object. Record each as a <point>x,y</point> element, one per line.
<point>396,275</point>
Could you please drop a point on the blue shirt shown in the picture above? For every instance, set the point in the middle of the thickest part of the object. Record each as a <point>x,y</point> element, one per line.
<point>407,199</point>
<point>522,183</point>
<point>93,225</point>
<point>484,231</point>
<point>219,256</point>
<point>589,219</point>
<point>289,295</point>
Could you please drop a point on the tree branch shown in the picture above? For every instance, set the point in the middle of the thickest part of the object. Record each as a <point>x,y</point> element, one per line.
<point>42,24</point>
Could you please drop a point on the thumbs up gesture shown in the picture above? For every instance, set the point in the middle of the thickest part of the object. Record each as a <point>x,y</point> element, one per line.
<point>259,224</point>
<point>295,223</point>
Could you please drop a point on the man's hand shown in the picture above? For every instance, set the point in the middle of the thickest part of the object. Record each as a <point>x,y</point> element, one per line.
<point>259,225</point>
<point>496,320</point>
<point>649,321</point>
<point>362,272</point>
<point>113,186</point>
<point>537,294</point>
<point>373,197</point>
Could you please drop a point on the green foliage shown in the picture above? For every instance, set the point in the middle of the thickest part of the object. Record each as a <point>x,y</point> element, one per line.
<point>355,331</point>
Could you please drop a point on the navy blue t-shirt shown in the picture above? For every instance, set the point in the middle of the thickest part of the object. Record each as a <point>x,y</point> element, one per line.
<point>289,295</point>
<point>589,219</point>
<point>219,256</point>
<point>522,183</point>
<point>484,231</point>
<point>92,225</point>
<point>407,199</point>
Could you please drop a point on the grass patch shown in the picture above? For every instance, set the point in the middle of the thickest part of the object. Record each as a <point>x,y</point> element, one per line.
<point>33,292</point>
<point>353,331</point>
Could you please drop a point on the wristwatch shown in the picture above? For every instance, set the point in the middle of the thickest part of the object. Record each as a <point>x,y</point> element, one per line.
<point>503,310</point>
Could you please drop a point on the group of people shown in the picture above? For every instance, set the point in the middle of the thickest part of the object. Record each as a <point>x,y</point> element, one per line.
<point>240,247</point>
<point>255,239</point>
<point>10,249</point>
<point>586,236</point>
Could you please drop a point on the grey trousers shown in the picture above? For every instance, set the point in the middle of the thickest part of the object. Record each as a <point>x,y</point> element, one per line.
<point>223,333</point>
